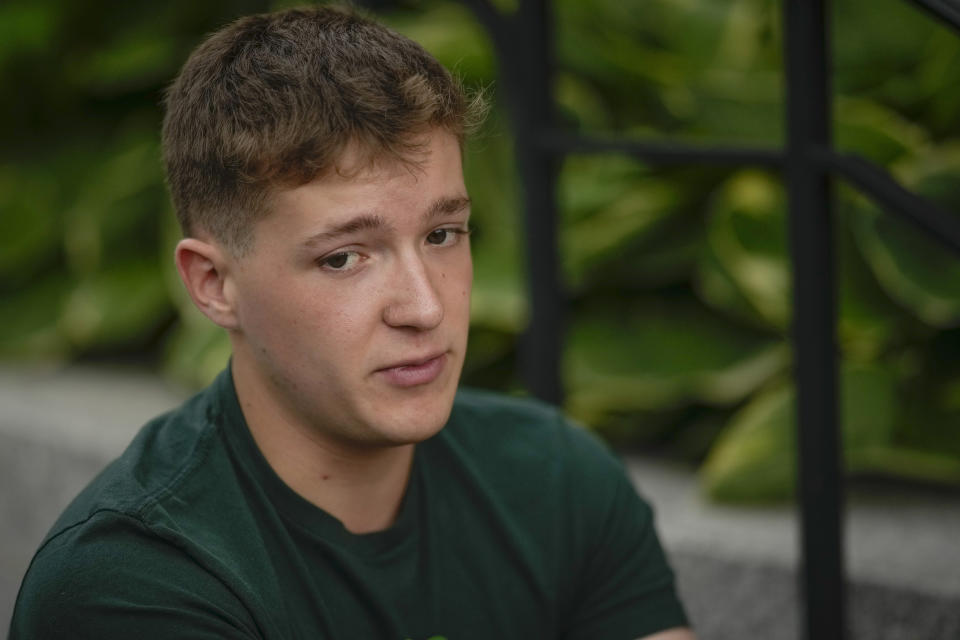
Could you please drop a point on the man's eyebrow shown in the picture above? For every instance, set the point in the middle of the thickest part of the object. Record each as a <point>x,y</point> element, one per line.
<point>369,221</point>
<point>447,207</point>
<point>363,222</point>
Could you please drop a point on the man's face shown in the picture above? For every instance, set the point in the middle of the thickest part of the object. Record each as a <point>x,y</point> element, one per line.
<point>353,305</point>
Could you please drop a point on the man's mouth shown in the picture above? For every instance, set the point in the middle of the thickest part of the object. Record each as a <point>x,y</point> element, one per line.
<point>414,372</point>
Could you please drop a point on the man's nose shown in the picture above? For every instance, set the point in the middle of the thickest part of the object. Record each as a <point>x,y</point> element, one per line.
<point>413,299</point>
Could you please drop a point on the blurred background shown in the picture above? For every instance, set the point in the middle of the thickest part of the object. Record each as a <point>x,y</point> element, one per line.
<point>677,278</point>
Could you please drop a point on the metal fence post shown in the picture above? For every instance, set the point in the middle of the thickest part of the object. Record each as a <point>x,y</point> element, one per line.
<point>531,77</point>
<point>524,44</point>
<point>809,107</point>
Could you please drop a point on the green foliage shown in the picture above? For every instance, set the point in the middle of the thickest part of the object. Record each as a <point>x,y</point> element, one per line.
<point>637,362</point>
<point>650,355</point>
<point>81,187</point>
<point>922,277</point>
<point>755,459</point>
<point>679,278</point>
<point>498,301</point>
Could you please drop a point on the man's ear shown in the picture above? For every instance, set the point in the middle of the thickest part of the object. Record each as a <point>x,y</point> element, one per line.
<point>203,267</point>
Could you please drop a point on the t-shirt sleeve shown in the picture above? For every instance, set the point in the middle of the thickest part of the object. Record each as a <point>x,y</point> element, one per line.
<point>625,587</point>
<point>111,577</point>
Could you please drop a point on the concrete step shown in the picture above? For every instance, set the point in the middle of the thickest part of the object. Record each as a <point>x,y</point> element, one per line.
<point>735,566</point>
<point>58,429</point>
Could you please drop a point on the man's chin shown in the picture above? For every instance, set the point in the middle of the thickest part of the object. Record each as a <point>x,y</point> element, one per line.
<point>420,426</point>
<point>408,415</point>
<point>412,422</point>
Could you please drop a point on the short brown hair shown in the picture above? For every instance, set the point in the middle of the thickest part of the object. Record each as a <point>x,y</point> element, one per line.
<point>275,99</point>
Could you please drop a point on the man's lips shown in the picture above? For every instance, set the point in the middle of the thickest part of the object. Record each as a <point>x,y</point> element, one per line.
<point>410,373</point>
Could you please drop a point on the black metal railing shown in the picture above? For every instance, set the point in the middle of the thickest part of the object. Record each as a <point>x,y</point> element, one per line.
<point>813,327</point>
<point>808,162</point>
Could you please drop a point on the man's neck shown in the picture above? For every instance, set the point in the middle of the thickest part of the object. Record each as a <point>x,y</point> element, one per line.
<point>363,487</point>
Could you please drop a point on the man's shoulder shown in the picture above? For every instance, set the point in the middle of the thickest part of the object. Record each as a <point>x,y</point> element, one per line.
<point>131,529</point>
<point>484,404</point>
<point>569,495</point>
<point>114,574</point>
<point>162,454</point>
<point>487,419</point>
<point>526,432</point>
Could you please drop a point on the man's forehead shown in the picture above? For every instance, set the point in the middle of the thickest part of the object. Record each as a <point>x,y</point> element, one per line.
<point>365,194</point>
<point>360,160</point>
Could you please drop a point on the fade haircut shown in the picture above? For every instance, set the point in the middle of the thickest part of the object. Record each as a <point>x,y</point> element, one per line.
<point>274,100</point>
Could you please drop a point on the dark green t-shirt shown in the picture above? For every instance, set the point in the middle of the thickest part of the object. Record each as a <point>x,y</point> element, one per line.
<point>515,525</point>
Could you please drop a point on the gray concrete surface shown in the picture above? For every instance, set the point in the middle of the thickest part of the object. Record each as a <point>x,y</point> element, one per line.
<point>735,566</point>
<point>900,537</point>
<point>58,428</point>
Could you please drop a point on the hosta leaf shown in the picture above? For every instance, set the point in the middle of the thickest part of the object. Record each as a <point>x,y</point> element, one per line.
<point>606,212</point>
<point>913,464</point>
<point>719,290</point>
<point>116,210</point>
<point>735,120</point>
<point>30,320</point>
<point>706,69</point>
<point>498,300</point>
<point>116,306</point>
<point>935,86</point>
<point>30,224</point>
<point>755,457</point>
<point>745,268</point>
<point>746,238</point>
<point>647,356</point>
<point>665,256</point>
<point>915,270</point>
<point>868,321</point>
<point>931,406</point>
<point>589,183</point>
<point>873,46</point>
<point>583,106</point>
<point>876,131</point>
<point>627,226</point>
<point>925,443</point>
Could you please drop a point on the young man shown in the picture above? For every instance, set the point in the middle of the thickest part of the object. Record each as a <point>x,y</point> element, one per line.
<point>332,483</point>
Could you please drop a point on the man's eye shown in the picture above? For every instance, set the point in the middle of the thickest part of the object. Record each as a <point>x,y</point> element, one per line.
<point>445,236</point>
<point>340,261</point>
<point>437,236</point>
